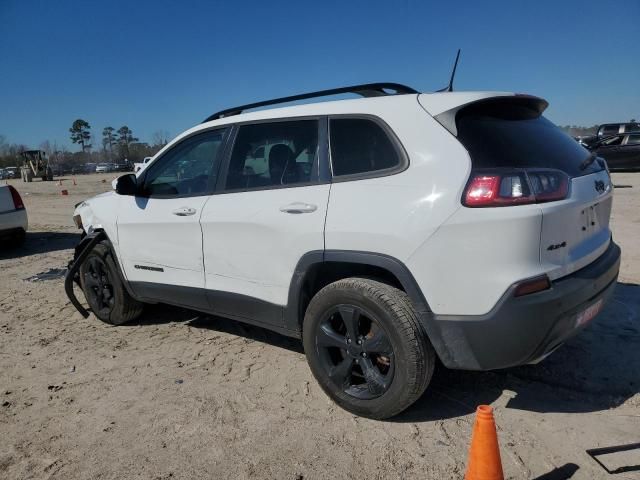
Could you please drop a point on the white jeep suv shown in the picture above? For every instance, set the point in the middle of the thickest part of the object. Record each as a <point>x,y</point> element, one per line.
<point>384,232</point>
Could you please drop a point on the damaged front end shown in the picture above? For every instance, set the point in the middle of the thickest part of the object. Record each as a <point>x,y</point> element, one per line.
<point>87,243</point>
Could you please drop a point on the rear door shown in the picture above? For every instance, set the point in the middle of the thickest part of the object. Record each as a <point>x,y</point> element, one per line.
<point>576,231</point>
<point>609,149</point>
<point>630,152</point>
<point>159,229</point>
<point>268,212</point>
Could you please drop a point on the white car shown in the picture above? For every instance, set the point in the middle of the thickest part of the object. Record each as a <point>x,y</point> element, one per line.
<point>12,172</point>
<point>384,232</point>
<point>13,216</point>
<point>139,166</point>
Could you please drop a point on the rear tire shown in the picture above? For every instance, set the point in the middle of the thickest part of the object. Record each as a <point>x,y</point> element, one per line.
<point>389,363</point>
<point>103,288</point>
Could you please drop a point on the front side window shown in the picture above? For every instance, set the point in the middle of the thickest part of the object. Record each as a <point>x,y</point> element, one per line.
<point>612,142</point>
<point>360,146</point>
<point>273,154</point>
<point>188,169</point>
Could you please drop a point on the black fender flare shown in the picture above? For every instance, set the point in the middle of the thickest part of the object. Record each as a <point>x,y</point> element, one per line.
<point>386,262</point>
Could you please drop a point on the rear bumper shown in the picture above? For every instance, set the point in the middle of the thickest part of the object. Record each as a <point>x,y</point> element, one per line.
<point>521,330</point>
<point>12,222</point>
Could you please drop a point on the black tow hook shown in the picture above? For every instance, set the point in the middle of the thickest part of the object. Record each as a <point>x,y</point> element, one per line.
<point>74,266</point>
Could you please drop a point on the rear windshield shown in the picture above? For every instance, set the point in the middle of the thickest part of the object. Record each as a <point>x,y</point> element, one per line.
<point>512,133</point>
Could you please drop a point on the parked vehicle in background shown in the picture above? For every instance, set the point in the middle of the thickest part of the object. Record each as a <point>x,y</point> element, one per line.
<point>139,166</point>
<point>622,151</point>
<point>608,129</point>
<point>587,140</point>
<point>3,174</point>
<point>12,172</point>
<point>121,167</point>
<point>35,163</point>
<point>104,168</point>
<point>384,232</point>
<point>13,216</point>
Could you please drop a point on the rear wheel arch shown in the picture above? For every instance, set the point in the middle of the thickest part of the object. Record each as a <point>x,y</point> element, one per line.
<point>317,269</point>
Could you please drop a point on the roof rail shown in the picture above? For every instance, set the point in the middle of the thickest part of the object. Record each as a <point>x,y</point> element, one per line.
<point>364,90</point>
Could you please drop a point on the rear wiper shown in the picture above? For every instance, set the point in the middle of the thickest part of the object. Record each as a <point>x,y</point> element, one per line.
<point>589,160</point>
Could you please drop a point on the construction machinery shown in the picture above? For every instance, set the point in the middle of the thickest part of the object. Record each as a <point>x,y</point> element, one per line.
<point>35,164</point>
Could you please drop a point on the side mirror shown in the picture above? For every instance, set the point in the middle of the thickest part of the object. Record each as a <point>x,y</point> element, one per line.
<point>127,184</point>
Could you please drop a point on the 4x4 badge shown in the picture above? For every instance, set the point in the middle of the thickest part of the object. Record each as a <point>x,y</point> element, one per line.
<point>600,188</point>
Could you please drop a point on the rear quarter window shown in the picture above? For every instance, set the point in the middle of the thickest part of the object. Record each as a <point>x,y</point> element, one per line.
<point>363,147</point>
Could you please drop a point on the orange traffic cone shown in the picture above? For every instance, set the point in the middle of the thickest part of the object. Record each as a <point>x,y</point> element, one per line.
<point>484,454</point>
<point>64,192</point>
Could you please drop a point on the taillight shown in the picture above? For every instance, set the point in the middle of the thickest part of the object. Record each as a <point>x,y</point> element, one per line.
<point>515,187</point>
<point>549,185</point>
<point>17,200</point>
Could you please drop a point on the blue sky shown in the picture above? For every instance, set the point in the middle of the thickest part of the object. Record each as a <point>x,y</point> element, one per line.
<point>168,64</point>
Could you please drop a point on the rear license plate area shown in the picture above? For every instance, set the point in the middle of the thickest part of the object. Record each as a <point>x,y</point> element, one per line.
<point>588,314</point>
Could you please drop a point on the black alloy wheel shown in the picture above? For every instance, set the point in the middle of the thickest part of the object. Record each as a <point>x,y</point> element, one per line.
<point>366,347</point>
<point>355,352</point>
<point>99,285</point>
<point>104,289</point>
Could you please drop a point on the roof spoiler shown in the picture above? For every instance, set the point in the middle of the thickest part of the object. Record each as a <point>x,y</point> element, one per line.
<point>447,118</point>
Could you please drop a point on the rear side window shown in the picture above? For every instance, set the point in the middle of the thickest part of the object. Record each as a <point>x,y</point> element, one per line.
<point>633,140</point>
<point>612,142</point>
<point>361,146</point>
<point>631,127</point>
<point>512,133</point>
<point>273,154</point>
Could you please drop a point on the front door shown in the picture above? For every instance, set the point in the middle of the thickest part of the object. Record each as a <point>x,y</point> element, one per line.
<point>159,234</point>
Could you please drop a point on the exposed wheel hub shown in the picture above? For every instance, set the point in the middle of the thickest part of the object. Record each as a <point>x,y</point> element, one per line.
<point>355,351</point>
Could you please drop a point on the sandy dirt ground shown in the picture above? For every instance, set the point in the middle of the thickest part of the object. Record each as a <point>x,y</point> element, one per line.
<point>178,395</point>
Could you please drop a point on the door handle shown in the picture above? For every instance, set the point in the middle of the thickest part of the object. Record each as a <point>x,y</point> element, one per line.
<point>299,207</point>
<point>184,211</point>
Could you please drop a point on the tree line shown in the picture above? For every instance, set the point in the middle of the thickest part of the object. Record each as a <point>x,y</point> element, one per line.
<point>117,145</point>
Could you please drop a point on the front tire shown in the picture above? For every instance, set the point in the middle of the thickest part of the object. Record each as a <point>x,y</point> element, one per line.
<point>366,348</point>
<point>104,290</point>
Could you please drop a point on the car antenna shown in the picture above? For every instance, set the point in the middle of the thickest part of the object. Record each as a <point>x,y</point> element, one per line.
<point>449,88</point>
